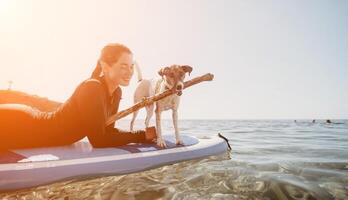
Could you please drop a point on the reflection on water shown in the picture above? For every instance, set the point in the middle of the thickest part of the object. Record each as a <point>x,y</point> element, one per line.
<point>269,160</point>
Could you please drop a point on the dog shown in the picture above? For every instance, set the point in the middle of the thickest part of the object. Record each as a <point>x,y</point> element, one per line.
<point>172,78</point>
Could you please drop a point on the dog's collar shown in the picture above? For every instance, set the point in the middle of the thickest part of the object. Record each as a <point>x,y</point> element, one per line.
<point>158,85</point>
<point>165,84</point>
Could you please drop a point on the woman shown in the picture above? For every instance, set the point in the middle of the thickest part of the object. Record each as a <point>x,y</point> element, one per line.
<point>83,114</point>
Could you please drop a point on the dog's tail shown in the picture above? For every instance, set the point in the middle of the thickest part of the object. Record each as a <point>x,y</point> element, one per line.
<point>137,68</point>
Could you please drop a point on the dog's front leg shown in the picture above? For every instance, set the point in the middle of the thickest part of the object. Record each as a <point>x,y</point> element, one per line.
<point>175,123</point>
<point>160,141</point>
<point>149,113</point>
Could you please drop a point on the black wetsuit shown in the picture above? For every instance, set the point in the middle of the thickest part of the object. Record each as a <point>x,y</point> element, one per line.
<point>83,114</point>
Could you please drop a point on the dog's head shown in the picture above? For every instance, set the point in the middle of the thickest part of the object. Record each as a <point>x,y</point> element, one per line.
<point>174,76</point>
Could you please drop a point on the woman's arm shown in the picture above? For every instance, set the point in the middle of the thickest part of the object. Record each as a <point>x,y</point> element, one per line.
<point>90,98</point>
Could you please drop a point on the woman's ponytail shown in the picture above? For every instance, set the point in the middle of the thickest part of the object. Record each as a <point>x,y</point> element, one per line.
<point>97,71</point>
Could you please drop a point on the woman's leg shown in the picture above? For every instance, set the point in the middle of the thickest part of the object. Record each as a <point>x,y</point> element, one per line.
<point>17,97</point>
<point>17,126</point>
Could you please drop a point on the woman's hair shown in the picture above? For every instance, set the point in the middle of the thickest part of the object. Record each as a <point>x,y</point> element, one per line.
<point>110,54</point>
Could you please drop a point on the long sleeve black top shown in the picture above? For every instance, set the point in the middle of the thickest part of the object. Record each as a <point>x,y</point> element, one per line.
<point>83,114</point>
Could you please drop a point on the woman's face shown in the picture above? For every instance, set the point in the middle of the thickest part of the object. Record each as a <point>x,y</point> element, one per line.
<point>121,72</point>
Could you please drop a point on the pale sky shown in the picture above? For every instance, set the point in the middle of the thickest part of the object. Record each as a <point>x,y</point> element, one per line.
<point>271,59</point>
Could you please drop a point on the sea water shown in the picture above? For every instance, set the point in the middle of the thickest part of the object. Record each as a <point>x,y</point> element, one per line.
<point>270,159</point>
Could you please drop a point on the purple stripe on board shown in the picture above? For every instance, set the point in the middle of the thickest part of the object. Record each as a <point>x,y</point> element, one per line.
<point>10,157</point>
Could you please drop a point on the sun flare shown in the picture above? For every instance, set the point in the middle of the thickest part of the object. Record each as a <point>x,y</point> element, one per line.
<point>5,5</point>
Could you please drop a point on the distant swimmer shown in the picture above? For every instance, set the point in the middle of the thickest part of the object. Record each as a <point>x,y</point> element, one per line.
<point>313,121</point>
<point>330,122</point>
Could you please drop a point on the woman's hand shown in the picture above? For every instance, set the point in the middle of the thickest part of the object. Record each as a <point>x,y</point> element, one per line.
<point>150,134</point>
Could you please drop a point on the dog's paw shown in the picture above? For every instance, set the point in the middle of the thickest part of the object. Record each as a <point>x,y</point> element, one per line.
<point>161,143</point>
<point>179,142</point>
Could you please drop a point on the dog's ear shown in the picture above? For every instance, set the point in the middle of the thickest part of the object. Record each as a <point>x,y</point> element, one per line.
<point>187,68</point>
<point>163,71</point>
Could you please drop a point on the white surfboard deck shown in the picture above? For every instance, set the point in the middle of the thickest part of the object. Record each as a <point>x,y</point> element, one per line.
<point>24,168</point>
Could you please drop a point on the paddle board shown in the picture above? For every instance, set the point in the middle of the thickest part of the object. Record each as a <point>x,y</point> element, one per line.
<point>24,168</point>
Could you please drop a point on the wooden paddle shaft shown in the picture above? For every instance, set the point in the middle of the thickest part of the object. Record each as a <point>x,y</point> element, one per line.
<point>151,100</point>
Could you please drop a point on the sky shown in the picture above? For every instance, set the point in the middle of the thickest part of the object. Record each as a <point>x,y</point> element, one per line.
<point>271,59</point>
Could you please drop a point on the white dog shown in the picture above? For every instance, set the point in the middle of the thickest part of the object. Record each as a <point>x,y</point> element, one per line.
<point>171,78</point>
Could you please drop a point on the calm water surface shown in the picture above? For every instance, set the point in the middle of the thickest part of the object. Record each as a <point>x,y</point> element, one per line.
<point>273,159</point>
